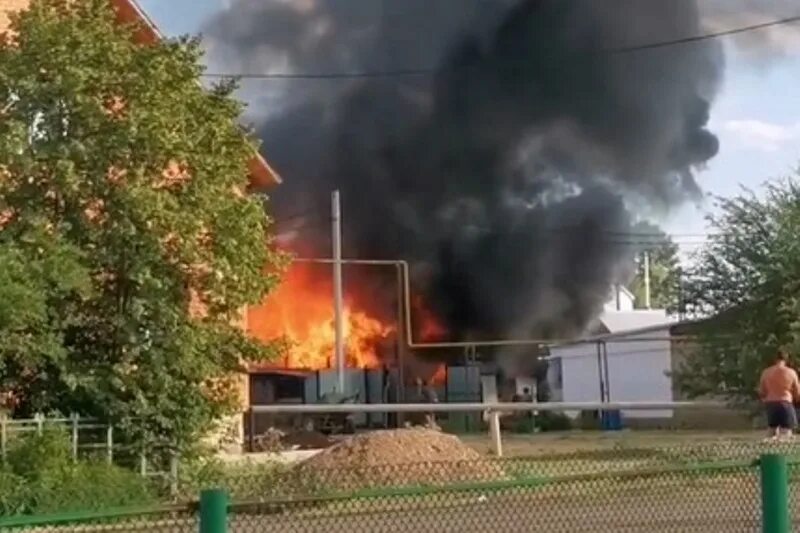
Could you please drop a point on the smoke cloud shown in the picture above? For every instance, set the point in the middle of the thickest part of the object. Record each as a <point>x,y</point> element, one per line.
<point>511,175</point>
<point>763,45</point>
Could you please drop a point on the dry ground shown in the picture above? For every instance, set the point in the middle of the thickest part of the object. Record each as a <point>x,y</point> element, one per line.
<point>517,445</point>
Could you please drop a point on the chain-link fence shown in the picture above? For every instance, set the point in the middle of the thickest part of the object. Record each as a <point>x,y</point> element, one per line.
<point>307,479</point>
<point>725,499</point>
<point>683,489</point>
<point>710,488</point>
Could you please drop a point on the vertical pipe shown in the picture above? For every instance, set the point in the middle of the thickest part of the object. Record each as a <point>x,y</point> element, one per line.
<point>494,432</point>
<point>4,435</point>
<point>606,373</point>
<point>647,280</point>
<point>600,377</point>
<point>110,444</point>
<point>74,419</point>
<point>401,344</point>
<point>775,494</point>
<point>213,511</point>
<point>336,220</point>
<point>251,430</point>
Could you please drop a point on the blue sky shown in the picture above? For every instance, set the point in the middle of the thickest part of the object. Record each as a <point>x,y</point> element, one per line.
<point>756,115</point>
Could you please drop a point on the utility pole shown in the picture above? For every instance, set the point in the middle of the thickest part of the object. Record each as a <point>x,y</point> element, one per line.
<point>647,279</point>
<point>336,219</point>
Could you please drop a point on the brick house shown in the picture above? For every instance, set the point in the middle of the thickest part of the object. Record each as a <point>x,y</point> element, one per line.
<point>262,175</point>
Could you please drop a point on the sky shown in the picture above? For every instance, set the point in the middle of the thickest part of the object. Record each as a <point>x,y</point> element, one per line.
<point>756,116</point>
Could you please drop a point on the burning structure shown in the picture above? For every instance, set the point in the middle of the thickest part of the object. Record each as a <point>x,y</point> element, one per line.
<point>505,148</point>
<point>299,315</point>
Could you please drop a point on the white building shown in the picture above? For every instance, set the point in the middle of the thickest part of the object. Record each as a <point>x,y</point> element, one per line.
<point>627,360</point>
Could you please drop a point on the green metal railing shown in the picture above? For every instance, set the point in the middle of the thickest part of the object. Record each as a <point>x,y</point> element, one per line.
<point>775,494</point>
<point>725,489</point>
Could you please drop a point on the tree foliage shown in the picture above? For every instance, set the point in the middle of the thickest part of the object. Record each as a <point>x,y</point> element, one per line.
<point>665,269</point>
<point>40,278</point>
<point>127,179</point>
<point>746,288</point>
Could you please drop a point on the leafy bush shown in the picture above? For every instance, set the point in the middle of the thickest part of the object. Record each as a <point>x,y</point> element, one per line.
<point>94,486</point>
<point>36,456</point>
<point>245,480</point>
<point>550,421</point>
<point>40,476</point>
<point>14,494</point>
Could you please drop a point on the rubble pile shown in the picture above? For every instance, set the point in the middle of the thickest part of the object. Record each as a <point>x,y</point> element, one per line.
<point>400,457</point>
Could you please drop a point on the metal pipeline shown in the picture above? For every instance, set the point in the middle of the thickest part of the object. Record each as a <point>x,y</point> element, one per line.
<point>409,333</point>
<point>475,407</point>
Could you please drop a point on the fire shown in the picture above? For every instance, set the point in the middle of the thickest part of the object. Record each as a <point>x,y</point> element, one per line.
<point>430,329</point>
<point>440,375</point>
<point>300,311</point>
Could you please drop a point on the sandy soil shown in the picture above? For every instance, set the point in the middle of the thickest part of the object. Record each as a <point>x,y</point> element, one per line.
<point>516,445</point>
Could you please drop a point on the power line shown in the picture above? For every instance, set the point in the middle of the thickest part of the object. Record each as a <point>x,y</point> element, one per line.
<point>707,36</point>
<point>314,219</point>
<point>426,71</point>
<point>318,223</point>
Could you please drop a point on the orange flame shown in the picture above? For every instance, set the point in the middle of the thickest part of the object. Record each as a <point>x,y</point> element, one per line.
<point>430,329</point>
<point>440,375</point>
<point>300,311</point>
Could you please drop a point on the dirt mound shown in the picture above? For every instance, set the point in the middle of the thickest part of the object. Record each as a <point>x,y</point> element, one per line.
<point>306,440</point>
<point>400,457</point>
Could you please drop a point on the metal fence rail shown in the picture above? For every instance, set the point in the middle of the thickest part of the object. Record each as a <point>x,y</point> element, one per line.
<point>498,407</point>
<point>87,436</point>
<point>90,439</point>
<point>156,519</point>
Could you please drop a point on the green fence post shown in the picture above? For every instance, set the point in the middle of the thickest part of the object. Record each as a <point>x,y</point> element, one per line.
<point>213,511</point>
<point>775,494</point>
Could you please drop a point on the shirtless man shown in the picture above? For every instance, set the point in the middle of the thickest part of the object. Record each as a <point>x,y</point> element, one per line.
<point>779,388</point>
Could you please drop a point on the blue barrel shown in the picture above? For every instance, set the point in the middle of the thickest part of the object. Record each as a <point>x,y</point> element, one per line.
<point>611,421</point>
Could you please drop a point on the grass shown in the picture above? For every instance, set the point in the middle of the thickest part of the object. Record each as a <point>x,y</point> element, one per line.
<point>558,443</point>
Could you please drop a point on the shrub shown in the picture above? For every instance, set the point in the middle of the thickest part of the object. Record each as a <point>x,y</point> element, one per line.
<point>244,480</point>
<point>95,486</point>
<point>14,494</point>
<point>36,456</point>
<point>550,421</point>
<point>41,476</point>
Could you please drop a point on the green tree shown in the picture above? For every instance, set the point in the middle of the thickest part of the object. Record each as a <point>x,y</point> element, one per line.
<point>40,280</point>
<point>118,153</point>
<point>665,269</point>
<point>746,285</point>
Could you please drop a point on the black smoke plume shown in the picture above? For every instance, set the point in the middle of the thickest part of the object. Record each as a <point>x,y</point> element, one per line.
<point>506,148</point>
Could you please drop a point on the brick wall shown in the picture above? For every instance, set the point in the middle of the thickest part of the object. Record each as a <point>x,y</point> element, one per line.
<point>7,6</point>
